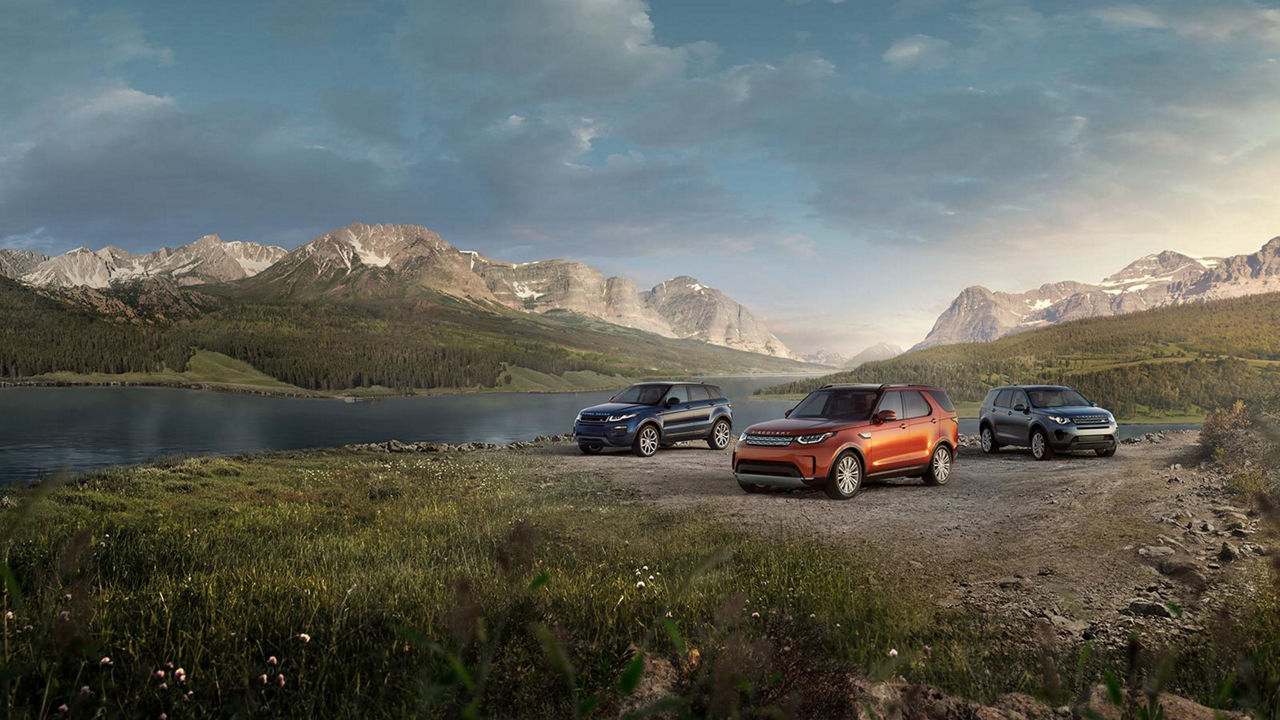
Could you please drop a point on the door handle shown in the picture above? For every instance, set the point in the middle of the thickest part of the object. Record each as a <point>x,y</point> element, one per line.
<point>903,426</point>
<point>934,421</point>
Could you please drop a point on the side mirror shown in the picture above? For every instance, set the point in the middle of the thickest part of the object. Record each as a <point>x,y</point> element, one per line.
<point>1020,408</point>
<point>885,416</point>
<point>787,414</point>
<point>672,402</point>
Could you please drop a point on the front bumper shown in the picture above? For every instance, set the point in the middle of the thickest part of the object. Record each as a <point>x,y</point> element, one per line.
<point>1070,437</point>
<point>782,467</point>
<point>608,434</point>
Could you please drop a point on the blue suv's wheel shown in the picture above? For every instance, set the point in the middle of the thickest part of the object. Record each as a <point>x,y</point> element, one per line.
<point>647,441</point>
<point>721,434</point>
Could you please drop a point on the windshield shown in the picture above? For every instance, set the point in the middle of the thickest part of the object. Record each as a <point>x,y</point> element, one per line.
<point>1056,398</point>
<point>837,405</point>
<point>642,394</point>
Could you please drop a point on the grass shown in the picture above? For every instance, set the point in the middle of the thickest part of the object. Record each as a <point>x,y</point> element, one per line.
<point>483,584</point>
<point>204,368</point>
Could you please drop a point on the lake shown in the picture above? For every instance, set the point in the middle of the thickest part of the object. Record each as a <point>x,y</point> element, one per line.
<point>46,429</point>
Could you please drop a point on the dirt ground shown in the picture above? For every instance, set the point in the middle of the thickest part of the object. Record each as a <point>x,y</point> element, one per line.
<point>1095,546</point>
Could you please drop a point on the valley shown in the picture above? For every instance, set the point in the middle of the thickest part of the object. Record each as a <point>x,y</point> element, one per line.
<point>366,309</point>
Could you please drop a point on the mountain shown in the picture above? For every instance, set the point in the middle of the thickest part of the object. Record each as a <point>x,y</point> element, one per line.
<point>401,261</point>
<point>1167,363</point>
<point>16,263</point>
<point>879,351</point>
<point>1166,278</point>
<point>207,260</point>
<point>825,357</point>
<point>703,313</point>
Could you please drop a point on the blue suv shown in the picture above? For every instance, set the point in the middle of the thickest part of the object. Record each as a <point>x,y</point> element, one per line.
<point>650,415</point>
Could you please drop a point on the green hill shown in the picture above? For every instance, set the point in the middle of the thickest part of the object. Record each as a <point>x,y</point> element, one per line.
<point>431,341</point>
<point>1169,362</point>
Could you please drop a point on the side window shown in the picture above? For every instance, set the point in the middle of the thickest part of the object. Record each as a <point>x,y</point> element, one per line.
<point>1002,400</point>
<point>1019,398</point>
<point>715,392</point>
<point>679,392</point>
<point>915,405</point>
<point>943,400</point>
<point>891,401</point>
<point>698,393</point>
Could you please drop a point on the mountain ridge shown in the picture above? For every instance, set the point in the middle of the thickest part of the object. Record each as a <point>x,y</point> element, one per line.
<point>979,314</point>
<point>378,260</point>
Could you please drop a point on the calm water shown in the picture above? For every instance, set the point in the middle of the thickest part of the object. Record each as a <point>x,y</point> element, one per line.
<point>43,430</point>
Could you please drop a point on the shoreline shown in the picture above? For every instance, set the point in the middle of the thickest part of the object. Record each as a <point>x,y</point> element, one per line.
<point>360,395</point>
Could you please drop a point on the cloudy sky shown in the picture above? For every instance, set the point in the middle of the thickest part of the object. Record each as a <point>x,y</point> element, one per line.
<point>843,168</point>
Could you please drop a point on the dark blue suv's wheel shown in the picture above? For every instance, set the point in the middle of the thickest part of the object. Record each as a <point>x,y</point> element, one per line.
<point>647,441</point>
<point>721,434</point>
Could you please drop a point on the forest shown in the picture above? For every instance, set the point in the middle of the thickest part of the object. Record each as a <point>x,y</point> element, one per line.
<point>433,341</point>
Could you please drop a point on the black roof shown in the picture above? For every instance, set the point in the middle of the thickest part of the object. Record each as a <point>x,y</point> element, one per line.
<point>671,382</point>
<point>1033,387</point>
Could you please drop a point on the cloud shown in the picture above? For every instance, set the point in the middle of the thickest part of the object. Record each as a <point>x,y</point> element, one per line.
<point>1219,22</point>
<point>918,52</point>
<point>510,52</point>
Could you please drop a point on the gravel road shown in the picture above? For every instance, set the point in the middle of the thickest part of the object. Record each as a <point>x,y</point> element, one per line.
<point>1093,545</point>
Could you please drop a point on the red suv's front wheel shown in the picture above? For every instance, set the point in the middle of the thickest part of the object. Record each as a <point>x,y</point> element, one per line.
<point>846,477</point>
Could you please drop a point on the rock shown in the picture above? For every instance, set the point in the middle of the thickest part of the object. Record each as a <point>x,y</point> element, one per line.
<point>1174,707</point>
<point>1228,552</point>
<point>1149,608</point>
<point>1155,551</point>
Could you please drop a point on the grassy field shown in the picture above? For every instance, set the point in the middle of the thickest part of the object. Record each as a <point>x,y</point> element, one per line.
<point>334,584</point>
<point>204,368</point>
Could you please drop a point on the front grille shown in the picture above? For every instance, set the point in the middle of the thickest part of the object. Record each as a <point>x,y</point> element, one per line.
<point>1092,421</point>
<point>767,440</point>
<point>768,467</point>
<point>593,418</point>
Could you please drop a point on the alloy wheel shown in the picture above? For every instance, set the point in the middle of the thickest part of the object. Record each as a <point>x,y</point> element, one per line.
<point>722,432</point>
<point>1037,445</point>
<point>848,474</point>
<point>648,441</point>
<point>987,440</point>
<point>941,465</point>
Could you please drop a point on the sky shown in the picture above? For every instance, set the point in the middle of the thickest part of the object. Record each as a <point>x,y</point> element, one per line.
<point>843,168</point>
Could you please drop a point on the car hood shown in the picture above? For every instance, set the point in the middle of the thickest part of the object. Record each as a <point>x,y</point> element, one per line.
<point>613,408</point>
<point>1073,411</point>
<point>800,426</point>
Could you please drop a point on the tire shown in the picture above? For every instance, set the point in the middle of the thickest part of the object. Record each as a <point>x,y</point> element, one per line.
<point>989,444</point>
<point>647,441</point>
<point>590,448</point>
<point>940,466</point>
<point>1106,452</point>
<point>846,477</point>
<point>721,435</point>
<point>1040,447</point>
<point>753,488</point>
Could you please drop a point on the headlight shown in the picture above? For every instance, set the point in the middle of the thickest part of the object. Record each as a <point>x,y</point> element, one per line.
<point>578,419</point>
<point>620,418</point>
<point>1060,419</point>
<point>813,439</point>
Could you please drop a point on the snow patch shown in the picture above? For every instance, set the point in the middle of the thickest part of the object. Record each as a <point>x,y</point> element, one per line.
<point>1039,304</point>
<point>524,292</point>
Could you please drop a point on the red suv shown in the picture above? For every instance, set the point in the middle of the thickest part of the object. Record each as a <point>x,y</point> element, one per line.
<point>841,435</point>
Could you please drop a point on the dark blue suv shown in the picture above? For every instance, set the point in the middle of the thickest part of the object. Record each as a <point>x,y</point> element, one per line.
<point>650,415</point>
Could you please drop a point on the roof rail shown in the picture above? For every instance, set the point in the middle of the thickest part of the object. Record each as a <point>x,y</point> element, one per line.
<point>894,385</point>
